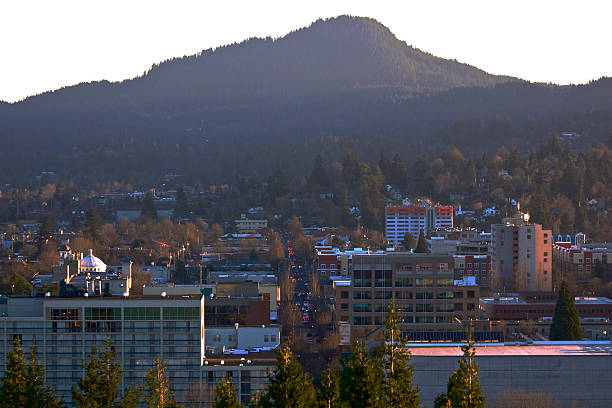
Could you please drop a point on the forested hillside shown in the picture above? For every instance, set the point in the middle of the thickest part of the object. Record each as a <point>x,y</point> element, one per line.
<point>267,104</point>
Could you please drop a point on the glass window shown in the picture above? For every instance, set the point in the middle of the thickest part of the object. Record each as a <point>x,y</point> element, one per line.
<point>446,294</point>
<point>445,282</point>
<point>424,295</point>
<point>403,295</point>
<point>380,294</point>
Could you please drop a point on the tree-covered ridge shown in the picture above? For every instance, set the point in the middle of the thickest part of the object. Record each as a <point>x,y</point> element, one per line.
<point>330,54</point>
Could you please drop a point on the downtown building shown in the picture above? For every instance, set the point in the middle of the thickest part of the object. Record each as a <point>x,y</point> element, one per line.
<point>413,218</point>
<point>521,256</point>
<point>66,330</point>
<point>431,303</point>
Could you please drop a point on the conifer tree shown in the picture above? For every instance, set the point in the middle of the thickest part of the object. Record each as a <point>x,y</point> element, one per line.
<point>289,386</point>
<point>24,384</point>
<point>565,324</point>
<point>408,242</point>
<point>463,389</point>
<point>148,208</point>
<point>329,392</point>
<point>38,394</point>
<point>14,383</point>
<point>421,247</point>
<point>225,395</point>
<point>361,379</point>
<point>158,394</point>
<point>99,388</point>
<point>93,223</point>
<point>398,389</point>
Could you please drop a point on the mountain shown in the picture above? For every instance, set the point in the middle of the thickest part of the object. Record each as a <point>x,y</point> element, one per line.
<point>346,76</point>
<point>328,56</point>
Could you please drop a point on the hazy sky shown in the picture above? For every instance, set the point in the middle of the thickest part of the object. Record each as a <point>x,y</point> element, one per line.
<point>48,44</point>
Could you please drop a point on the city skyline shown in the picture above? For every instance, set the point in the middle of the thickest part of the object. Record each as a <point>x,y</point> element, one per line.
<point>547,42</point>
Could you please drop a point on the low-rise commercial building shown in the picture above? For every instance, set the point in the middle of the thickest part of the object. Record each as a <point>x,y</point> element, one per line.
<point>537,305</point>
<point>571,372</point>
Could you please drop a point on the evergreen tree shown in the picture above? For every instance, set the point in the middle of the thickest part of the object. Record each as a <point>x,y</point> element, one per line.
<point>289,386</point>
<point>180,205</point>
<point>45,233</point>
<point>351,169</point>
<point>329,393</point>
<point>99,388</point>
<point>24,384</point>
<point>399,174</point>
<point>148,208</point>
<point>318,177</point>
<point>408,242</point>
<point>565,324</point>
<point>421,247</point>
<point>361,379</point>
<point>38,394</point>
<point>225,395</point>
<point>158,394</point>
<point>15,381</point>
<point>463,389</point>
<point>347,217</point>
<point>93,224</point>
<point>385,166</point>
<point>398,389</point>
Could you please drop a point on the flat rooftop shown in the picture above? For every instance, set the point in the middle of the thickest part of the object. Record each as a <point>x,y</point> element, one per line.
<point>544,348</point>
<point>515,300</point>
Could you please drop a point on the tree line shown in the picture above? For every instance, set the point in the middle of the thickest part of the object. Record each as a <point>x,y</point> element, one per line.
<point>381,378</point>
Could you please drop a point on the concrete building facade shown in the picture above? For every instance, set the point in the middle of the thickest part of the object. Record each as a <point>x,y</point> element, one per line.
<point>66,330</point>
<point>521,257</point>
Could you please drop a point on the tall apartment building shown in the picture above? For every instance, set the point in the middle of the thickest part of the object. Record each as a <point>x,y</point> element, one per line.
<point>521,257</point>
<point>65,331</point>
<point>421,286</point>
<point>402,219</point>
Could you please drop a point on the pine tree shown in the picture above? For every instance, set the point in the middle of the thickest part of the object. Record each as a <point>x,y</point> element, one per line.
<point>100,386</point>
<point>93,224</point>
<point>318,177</point>
<point>422,247</point>
<point>565,324</point>
<point>225,395</point>
<point>45,233</point>
<point>361,379</point>
<point>463,389</point>
<point>329,392</point>
<point>14,383</point>
<point>158,394</point>
<point>148,208</point>
<point>180,205</point>
<point>24,384</point>
<point>397,388</point>
<point>38,394</point>
<point>289,386</point>
<point>408,242</point>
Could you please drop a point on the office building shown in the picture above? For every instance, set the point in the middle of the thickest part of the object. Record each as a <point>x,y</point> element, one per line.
<point>422,287</point>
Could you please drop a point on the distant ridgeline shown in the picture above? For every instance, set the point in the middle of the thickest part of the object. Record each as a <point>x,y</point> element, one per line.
<point>342,83</point>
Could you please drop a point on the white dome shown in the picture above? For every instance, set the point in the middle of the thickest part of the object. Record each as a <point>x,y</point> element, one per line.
<point>90,263</point>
